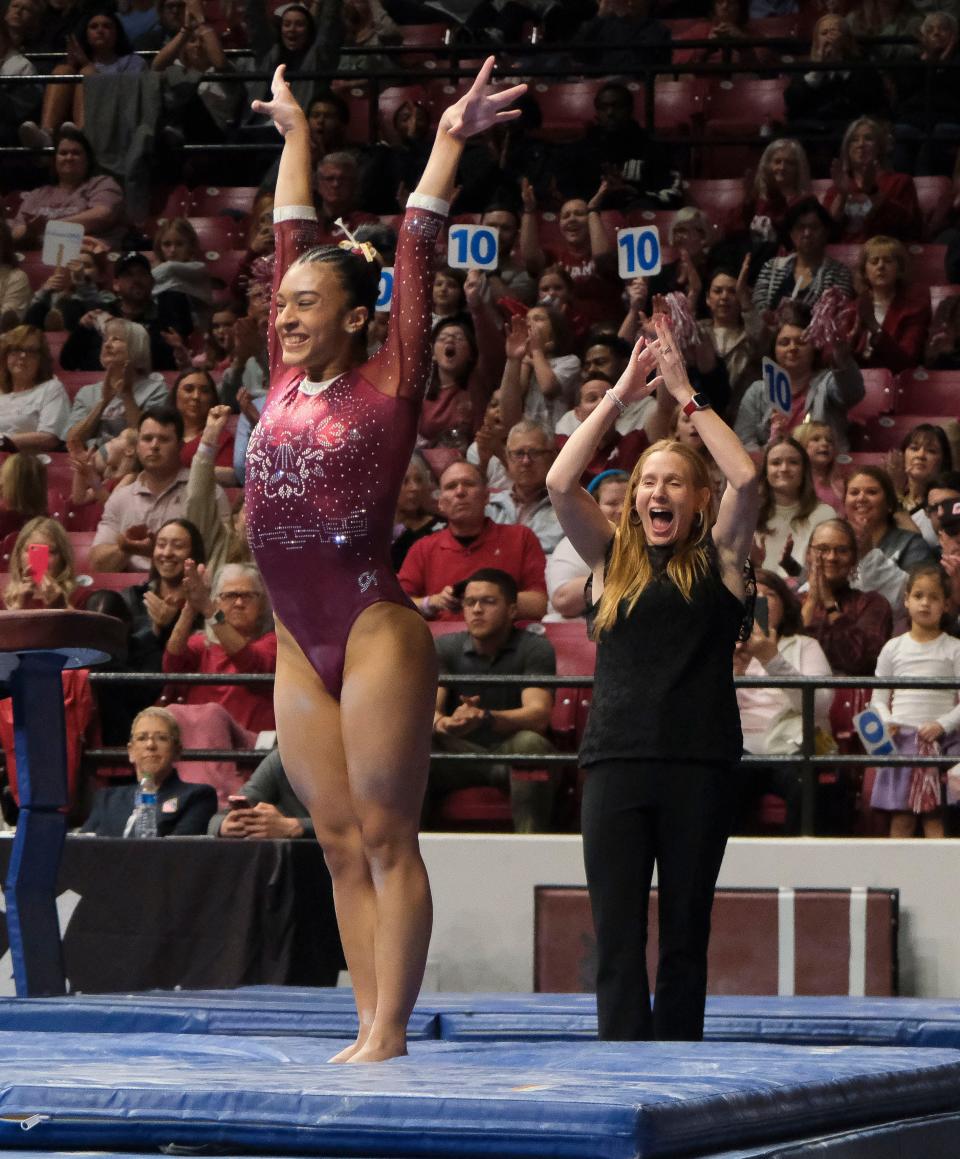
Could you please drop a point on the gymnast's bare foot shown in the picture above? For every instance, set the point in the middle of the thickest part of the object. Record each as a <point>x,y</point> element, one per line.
<point>380,1049</point>
<point>348,1052</point>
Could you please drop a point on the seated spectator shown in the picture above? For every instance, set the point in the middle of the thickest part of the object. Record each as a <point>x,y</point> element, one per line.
<point>586,254</point>
<point>79,195</point>
<point>691,234</point>
<point>941,489</point>
<point>510,279</point>
<point>304,39</point>
<point>448,296</point>
<point>248,368</point>
<point>566,572</point>
<point>789,509</point>
<point>225,538</point>
<point>181,267</point>
<point>556,288</point>
<point>924,454</point>
<point>96,472</point>
<point>211,114</point>
<point>885,551</point>
<point>23,492</point>
<point>782,177</point>
<point>172,19</point>
<point>772,718</point>
<point>621,29</point>
<point>366,25</point>
<point>34,405</point>
<point>336,196</point>
<point>257,264</point>
<point>530,451</point>
<point>728,300</point>
<point>825,99</point>
<point>99,47</point>
<point>945,517</point>
<point>925,112</point>
<point>637,169</point>
<point>218,341</point>
<point>14,284</point>
<point>806,271</point>
<point>893,318</point>
<point>499,719</point>
<point>133,514</point>
<point>155,606</point>
<point>73,290</point>
<point>616,451</point>
<point>461,377</point>
<point>415,515</point>
<point>135,302</point>
<point>943,347</point>
<point>238,637</point>
<point>866,198</point>
<point>823,393</point>
<point>18,102</point>
<point>183,809</point>
<point>489,449</point>
<point>817,440</point>
<point>541,375</point>
<point>193,394</point>
<point>57,586</point>
<point>103,410</point>
<point>265,808</point>
<point>726,25</point>
<point>436,563</point>
<point>876,19</point>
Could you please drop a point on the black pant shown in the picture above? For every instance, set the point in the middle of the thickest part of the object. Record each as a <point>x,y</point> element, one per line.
<point>677,814</point>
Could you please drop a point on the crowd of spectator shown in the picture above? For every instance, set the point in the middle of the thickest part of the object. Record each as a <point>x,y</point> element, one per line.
<point>132,375</point>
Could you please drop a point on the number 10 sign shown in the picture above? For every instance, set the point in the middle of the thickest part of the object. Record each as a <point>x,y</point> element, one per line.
<point>779,390</point>
<point>638,252</point>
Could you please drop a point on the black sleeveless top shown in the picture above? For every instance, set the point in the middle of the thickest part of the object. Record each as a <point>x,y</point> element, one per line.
<point>664,687</point>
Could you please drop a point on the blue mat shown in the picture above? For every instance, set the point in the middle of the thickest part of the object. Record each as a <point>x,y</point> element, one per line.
<point>327,1013</point>
<point>595,1100</point>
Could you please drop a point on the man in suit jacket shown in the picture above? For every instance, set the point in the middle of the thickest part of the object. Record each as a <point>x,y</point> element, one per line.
<point>183,809</point>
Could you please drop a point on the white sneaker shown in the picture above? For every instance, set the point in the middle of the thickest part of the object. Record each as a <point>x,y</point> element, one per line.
<point>33,137</point>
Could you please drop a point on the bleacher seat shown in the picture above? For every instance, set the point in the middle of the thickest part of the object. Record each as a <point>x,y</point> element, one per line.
<point>887,432</point>
<point>678,105</point>
<point>81,542</point>
<point>421,36</point>
<point>568,108</point>
<point>218,233</point>
<point>880,397</point>
<point>115,581</point>
<point>85,518</point>
<point>73,380</point>
<point>59,472</point>
<point>717,197</point>
<point>935,392</point>
<point>55,340</point>
<point>928,264</point>
<point>213,201</point>
<point>36,269</point>
<point>741,107</point>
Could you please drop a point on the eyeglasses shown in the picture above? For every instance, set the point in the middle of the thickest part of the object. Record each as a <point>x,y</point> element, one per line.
<point>526,453</point>
<point>156,737</point>
<point>24,350</point>
<point>838,551</point>
<point>238,597</point>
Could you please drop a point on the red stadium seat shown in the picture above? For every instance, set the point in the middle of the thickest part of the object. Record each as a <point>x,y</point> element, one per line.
<point>880,397</point>
<point>661,218</point>
<point>845,252</point>
<point>218,233</point>
<point>421,36</point>
<point>55,340</point>
<point>59,471</point>
<point>224,267</point>
<point>115,581</point>
<point>212,201</point>
<point>678,105</point>
<point>36,270</point>
<point>928,264</point>
<point>935,195</point>
<point>81,542</point>
<point>935,392</point>
<point>76,519</point>
<point>568,108</point>
<point>73,380</point>
<point>887,432</point>
<point>742,107</point>
<point>718,197</point>
<point>774,26</point>
<point>392,98</point>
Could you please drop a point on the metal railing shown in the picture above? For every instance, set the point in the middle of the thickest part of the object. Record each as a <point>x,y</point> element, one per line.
<point>807,760</point>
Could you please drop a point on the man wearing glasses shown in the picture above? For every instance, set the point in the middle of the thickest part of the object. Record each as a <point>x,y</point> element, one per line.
<point>530,452</point>
<point>183,809</point>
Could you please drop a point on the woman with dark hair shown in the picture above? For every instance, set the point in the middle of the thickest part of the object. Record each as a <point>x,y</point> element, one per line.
<point>893,318</point>
<point>729,305</point>
<point>886,551</point>
<point>454,402</point>
<point>663,739</point>
<point>806,270</point>
<point>924,454</point>
<point>155,605</point>
<point>79,195</point>
<point>789,507</point>
<point>867,198</point>
<point>772,718</point>
<point>818,393</point>
<point>100,46</point>
<point>193,394</point>
<point>324,468</point>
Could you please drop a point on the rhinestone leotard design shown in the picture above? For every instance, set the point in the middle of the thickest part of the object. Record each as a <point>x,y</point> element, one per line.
<point>324,468</point>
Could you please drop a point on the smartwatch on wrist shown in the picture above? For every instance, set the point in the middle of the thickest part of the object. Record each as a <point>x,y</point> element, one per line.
<point>698,401</point>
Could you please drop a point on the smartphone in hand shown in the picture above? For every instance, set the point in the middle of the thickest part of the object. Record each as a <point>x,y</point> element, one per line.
<point>239,801</point>
<point>761,613</point>
<point>38,561</point>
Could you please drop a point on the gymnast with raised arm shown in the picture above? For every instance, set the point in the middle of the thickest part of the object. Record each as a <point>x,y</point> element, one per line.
<point>356,667</point>
<point>669,599</point>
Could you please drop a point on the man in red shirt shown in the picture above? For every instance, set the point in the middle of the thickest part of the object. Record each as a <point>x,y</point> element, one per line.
<point>470,541</point>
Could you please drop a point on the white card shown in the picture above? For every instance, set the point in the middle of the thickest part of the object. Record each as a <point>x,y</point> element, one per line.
<point>62,242</point>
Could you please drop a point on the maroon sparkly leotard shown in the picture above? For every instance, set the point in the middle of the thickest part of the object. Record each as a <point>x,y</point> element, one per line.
<point>324,469</point>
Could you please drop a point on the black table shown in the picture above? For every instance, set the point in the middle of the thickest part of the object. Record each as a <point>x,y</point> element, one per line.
<point>197,912</point>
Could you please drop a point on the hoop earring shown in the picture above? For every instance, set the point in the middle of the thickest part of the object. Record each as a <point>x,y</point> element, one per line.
<point>634,518</point>
<point>698,521</point>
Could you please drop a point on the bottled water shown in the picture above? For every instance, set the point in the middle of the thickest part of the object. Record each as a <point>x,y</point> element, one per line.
<point>145,823</point>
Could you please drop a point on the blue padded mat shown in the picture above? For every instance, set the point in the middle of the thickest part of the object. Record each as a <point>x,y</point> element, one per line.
<point>329,1013</point>
<point>595,1100</point>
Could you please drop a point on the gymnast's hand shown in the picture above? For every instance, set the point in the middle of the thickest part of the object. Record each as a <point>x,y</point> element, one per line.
<point>479,108</point>
<point>283,110</point>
